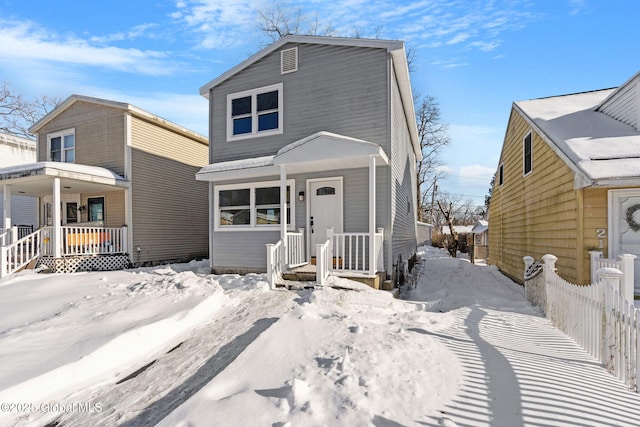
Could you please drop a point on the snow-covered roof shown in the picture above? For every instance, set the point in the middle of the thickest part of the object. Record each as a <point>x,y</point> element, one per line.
<point>319,151</point>
<point>480,226</point>
<point>18,141</point>
<point>34,179</point>
<point>457,229</point>
<point>29,168</point>
<point>598,147</point>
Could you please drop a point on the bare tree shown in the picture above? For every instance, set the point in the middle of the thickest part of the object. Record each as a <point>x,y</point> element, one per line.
<point>277,23</point>
<point>433,137</point>
<point>18,114</point>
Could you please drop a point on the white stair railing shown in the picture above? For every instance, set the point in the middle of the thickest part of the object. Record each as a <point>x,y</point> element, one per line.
<point>295,249</point>
<point>274,263</point>
<point>16,255</point>
<point>323,261</point>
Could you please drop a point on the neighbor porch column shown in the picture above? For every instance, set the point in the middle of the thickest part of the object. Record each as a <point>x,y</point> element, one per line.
<point>56,216</point>
<point>372,215</point>
<point>6,217</point>
<point>283,213</point>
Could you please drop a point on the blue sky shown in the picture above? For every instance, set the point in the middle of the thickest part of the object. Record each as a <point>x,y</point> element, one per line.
<point>475,57</point>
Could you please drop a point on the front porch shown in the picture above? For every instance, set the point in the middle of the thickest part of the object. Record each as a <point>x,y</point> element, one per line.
<point>81,249</point>
<point>64,244</point>
<point>340,231</point>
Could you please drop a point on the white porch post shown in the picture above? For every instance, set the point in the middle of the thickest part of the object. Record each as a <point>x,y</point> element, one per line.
<point>6,218</point>
<point>372,215</point>
<point>56,235</point>
<point>283,214</point>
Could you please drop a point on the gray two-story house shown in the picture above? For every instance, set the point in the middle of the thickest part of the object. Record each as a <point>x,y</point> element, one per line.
<point>313,142</point>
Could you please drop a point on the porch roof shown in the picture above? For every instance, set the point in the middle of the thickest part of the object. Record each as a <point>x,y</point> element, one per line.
<point>35,179</point>
<point>320,151</point>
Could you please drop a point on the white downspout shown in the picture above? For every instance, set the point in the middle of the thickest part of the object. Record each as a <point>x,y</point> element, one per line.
<point>283,214</point>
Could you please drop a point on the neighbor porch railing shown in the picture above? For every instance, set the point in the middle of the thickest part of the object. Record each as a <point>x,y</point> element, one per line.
<point>350,252</point>
<point>14,256</point>
<point>86,240</point>
<point>597,316</point>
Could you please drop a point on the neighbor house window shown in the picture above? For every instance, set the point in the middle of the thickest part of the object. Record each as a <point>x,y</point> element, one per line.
<point>95,209</point>
<point>254,113</point>
<point>500,175</point>
<point>62,146</point>
<point>528,154</point>
<point>251,206</point>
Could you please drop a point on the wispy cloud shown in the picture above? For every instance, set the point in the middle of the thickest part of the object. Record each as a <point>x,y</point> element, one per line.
<point>134,33</point>
<point>26,41</point>
<point>578,6</point>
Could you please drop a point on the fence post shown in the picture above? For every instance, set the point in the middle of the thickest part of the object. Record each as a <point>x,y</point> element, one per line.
<point>611,278</point>
<point>549,266</point>
<point>14,234</point>
<point>627,290</point>
<point>593,256</point>
<point>528,262</point>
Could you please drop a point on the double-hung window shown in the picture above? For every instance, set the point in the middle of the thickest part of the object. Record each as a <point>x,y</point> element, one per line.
<point>251,206</point>
<point>62,146</point>
<point>254,113</point>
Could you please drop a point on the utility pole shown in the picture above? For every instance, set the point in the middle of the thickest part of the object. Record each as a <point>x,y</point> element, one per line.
<point>433,195</point>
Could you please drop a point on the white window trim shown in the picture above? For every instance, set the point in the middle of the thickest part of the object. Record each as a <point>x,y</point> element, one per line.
<point>61,134</point>
<point>254,114</point>
<point>524,156</point>
<point>252,206</point>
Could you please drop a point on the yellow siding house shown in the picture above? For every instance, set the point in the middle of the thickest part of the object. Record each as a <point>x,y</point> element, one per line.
<point>568,182</point>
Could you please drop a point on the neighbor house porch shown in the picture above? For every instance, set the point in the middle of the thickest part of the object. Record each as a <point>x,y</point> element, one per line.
<point>327,182</point>
<point>75,233</point>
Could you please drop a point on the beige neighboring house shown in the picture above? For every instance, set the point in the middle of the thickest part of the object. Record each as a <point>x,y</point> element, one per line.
<point>115,185</point>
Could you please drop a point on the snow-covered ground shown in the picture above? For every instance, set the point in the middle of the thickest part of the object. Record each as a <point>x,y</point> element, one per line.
<point>175,346</point>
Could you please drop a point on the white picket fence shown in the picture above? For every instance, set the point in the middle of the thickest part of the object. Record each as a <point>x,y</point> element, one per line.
<point>596,316</point>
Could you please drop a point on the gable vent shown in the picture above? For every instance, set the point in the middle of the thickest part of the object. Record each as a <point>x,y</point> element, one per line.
<point>289,60</point>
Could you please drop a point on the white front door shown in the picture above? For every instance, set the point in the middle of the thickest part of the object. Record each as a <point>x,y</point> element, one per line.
<point>325,209</point>
<point>624,226</point>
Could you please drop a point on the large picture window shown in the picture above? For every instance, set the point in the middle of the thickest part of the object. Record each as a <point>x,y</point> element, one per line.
<point>254,113</point>
<point>62,146</point>
<point>251,206</point>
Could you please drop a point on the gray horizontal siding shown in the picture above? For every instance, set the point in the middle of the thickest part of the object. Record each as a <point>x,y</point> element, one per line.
<point>238,250</point>
<point>623,105</point>
<point>403,171</point>
<point>336,88</point>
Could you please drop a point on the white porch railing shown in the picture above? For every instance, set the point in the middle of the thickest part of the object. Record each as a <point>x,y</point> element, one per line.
<point>16,255</point>
<point>350,251</point>
<point>93,240</point>
<point>323,261</point>
<point>625,264</point>
<point>597,316</point>
<point>295,249</point>
<point>274,263</point>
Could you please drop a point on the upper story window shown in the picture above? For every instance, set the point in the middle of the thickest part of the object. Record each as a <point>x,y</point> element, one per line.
<point>62,146</point>
<point>254,113</point>
<point>527,154</point>
<point>500,174</point>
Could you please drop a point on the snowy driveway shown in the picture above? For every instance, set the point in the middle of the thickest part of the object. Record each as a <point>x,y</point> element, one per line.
<point>463,348</point>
